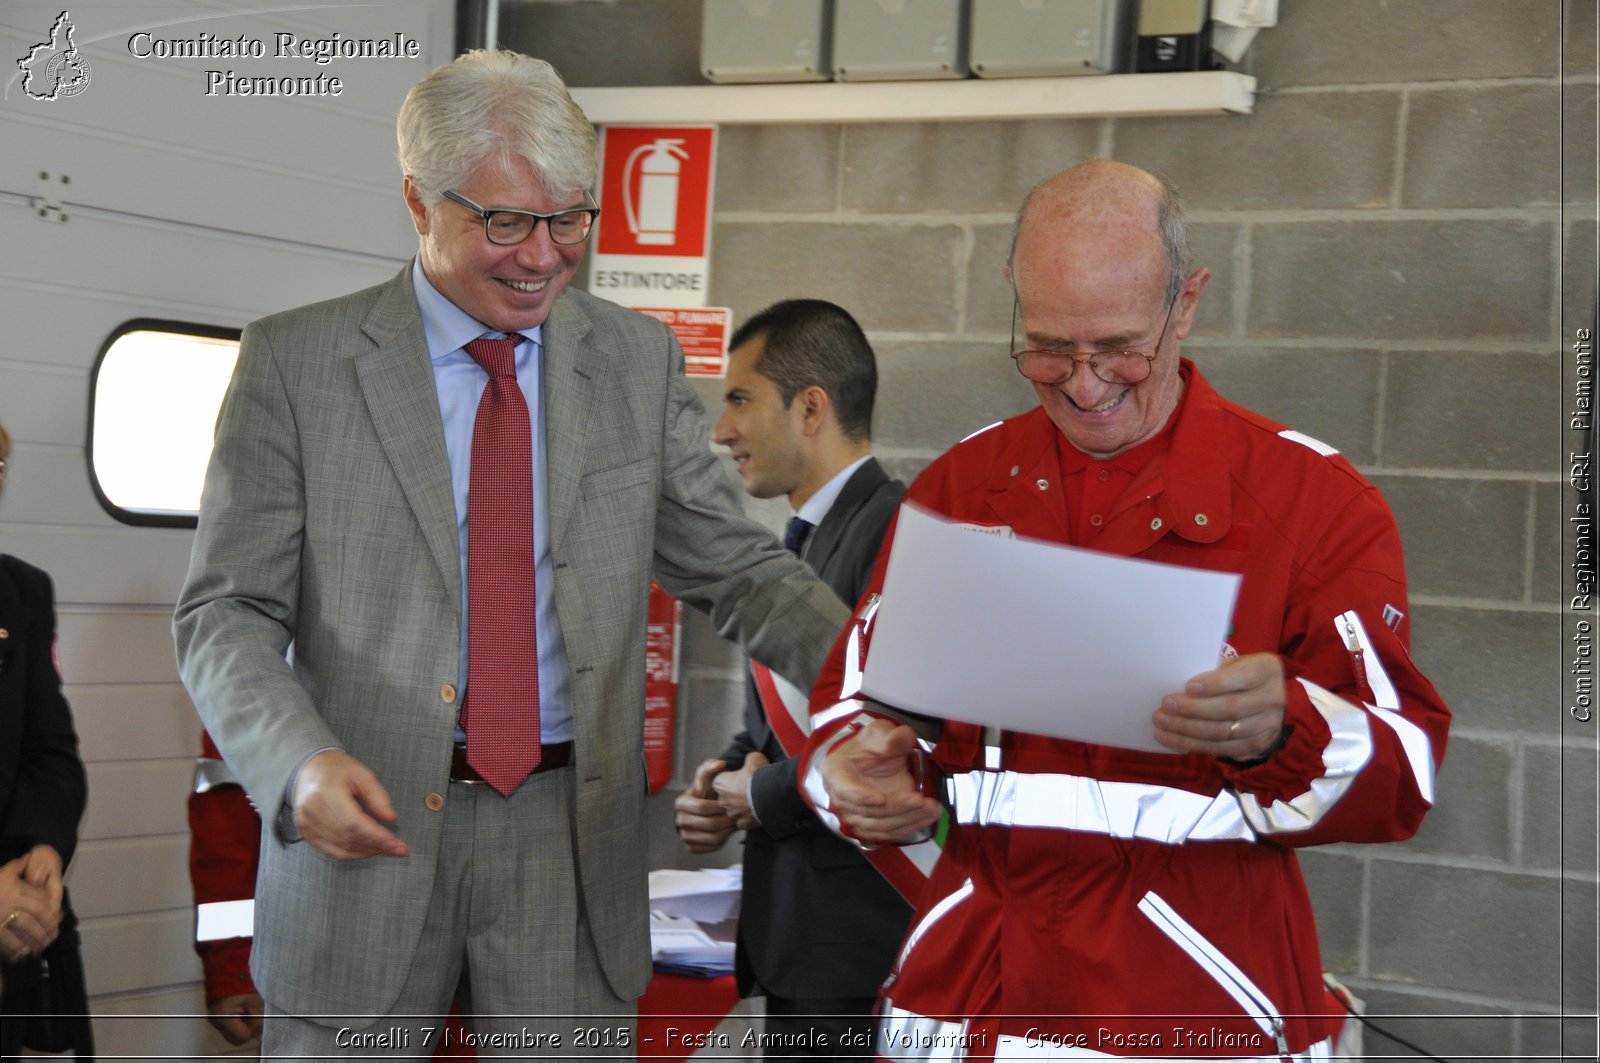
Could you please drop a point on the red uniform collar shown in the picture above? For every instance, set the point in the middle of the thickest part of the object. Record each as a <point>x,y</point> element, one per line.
<point>1186,479</point>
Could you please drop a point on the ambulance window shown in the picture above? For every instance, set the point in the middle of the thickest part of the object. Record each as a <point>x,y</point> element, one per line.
<point>153,402</point>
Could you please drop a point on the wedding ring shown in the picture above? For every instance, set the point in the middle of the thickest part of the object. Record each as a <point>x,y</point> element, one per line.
<point>1233,728</point>
<point>12,918</point>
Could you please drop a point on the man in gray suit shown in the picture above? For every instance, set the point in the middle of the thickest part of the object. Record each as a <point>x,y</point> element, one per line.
<point>819,925</point>
<point>323,630</point>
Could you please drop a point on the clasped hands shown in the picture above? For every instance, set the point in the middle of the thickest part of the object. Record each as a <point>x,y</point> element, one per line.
<point>1234,711</point>
<point>30,903</point>
<point>717,803</point>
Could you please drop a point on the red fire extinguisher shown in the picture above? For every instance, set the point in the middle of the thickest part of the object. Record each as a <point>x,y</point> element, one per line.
<point>661,684</point>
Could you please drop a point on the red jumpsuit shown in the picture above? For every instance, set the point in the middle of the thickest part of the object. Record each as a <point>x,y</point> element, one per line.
<point>1093,901</point>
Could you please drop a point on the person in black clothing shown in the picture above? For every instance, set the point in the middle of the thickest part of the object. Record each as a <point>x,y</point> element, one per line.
<point>42,794</point>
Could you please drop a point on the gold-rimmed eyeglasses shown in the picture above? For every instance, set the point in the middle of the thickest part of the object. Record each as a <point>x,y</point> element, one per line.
<point>506,228</point>
<point>1042,365</point>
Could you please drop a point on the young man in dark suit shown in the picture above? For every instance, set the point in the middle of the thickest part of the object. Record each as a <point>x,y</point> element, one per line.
<point>819,925</point>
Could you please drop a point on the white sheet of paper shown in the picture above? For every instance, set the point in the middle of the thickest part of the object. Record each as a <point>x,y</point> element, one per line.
<point>679,939</point>
<point>1039,637</point>
<point>709,895</point>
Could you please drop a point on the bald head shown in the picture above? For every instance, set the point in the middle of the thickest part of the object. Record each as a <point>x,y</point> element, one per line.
<point>1099,266</point>
<point>1102,208</point>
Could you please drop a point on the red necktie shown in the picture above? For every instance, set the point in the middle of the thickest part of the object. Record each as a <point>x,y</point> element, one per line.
<point>501,715</point>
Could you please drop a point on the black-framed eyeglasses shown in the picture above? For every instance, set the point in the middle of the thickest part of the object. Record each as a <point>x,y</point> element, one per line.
<point>1041,365</point>
<point>509,227</point>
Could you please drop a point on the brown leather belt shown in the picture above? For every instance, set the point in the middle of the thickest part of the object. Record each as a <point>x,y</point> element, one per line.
<point>557,755</point>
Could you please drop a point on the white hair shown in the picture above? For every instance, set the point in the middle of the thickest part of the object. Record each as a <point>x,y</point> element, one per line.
<point>495,105</point>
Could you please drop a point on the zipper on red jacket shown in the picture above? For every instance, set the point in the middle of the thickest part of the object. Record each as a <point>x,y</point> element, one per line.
<point>855,652</point>
<point>1358,652</point>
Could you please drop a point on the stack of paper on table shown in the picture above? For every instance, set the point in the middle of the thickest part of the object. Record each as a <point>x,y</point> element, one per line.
<point>686,909</point>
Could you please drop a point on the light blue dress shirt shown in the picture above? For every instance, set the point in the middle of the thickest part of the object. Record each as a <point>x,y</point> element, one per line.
<point>460,382</point>
<point>814,510</point>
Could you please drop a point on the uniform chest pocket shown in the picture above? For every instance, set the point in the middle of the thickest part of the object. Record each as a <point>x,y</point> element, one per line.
<point>1231,553</point>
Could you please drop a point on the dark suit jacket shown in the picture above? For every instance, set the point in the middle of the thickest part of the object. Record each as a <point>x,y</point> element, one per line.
<point>42,788</point>
<point>42,794</point>
<point>817,920</point>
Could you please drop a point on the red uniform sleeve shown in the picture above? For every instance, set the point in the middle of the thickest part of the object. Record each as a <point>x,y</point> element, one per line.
<point>1367,728</point>
<point>838,707</point>
<point>224,843</point>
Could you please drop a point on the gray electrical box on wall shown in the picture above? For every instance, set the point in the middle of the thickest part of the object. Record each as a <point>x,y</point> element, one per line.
<point>765,40</point>
<point>899,40</point>
<point>1044,38</point>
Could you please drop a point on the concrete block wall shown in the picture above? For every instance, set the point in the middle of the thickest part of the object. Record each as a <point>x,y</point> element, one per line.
<point>1399,255</point>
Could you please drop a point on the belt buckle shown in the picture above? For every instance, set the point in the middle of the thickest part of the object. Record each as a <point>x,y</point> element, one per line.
<point>458,754</point>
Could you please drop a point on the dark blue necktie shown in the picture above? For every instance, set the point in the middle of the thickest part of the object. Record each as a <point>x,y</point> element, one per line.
<point>795,533</point>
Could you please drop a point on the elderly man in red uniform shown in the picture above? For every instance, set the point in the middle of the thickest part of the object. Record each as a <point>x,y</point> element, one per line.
<point>1098,902</point>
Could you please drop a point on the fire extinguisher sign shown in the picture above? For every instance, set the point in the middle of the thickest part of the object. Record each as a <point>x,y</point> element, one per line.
<point>652,247</point>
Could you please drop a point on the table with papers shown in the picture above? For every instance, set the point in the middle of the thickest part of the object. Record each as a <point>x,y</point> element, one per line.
<point>692,919</point>
<point>693,915</point>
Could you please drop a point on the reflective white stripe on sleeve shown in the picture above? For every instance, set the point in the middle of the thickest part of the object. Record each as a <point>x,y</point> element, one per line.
<point>1147,811</point>
<point>912,1038</point>
<point>221,920</point>
<point>811,785</point>
<point>851,687</point>
<point>1348,750</point>
<point>838,712</point>
<point>1419,750</point>
<point>855,654</point>
<point>1378,679</point>
<point>1413,739</point>
<point>816,791</point>
<point>209,772</point>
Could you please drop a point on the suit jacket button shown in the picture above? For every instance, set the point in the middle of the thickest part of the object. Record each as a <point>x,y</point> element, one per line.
<point>435,802</point>
<point>448,694</point>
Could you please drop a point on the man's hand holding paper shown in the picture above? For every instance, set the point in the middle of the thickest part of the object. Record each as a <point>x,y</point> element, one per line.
<point>1234,711</point>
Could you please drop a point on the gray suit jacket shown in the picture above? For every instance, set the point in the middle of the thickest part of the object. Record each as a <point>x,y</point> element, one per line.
<point>322,608</point>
